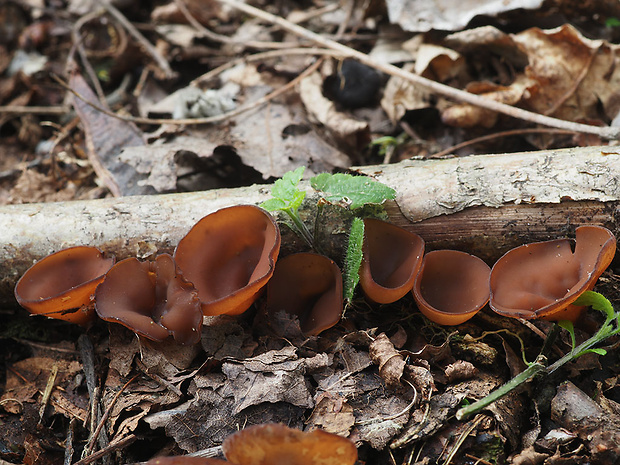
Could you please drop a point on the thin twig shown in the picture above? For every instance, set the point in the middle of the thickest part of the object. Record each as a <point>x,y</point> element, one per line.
<point>104,417</point>
<point>211,119</point>
<point>51,382</point>
<point>436,87</point>
<point>33,110</point>
<point>511,132</point>
<point>264,56</point>
<point>116,445</point>
<point>151,50</point>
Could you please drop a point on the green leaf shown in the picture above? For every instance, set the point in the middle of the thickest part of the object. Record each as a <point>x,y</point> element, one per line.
<point>597,302</point>
<point>286,193</point>
<point>357,191</point>
<point>273,205</point>
<point>353,259</point>
<point>594,351</point>
<point>568,326</point>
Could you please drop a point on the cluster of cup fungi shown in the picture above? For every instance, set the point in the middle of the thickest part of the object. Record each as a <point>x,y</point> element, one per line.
<point>230,257</point>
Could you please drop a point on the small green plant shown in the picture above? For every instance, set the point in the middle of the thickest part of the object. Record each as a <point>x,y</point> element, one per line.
<point>349,191</point>
<point>609,328</point>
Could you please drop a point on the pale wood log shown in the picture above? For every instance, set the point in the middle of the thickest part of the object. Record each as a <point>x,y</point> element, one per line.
<point>483,204</point>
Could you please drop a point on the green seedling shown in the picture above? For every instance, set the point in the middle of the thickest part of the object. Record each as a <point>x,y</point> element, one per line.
<point>388,143</point>
<point>287,198</point>
<point>609,328</point>
<point>349,191</point>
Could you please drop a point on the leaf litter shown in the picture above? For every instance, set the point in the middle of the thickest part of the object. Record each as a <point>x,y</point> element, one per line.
<point>383,392</point>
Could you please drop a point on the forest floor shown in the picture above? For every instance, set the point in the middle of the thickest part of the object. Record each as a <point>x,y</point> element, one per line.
<point>104,99</point>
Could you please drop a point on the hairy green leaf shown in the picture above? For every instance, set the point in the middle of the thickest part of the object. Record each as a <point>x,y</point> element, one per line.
<point>353,259</point>
<point>357,191</point>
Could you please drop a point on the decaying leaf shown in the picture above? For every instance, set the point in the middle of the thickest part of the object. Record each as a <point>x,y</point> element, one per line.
<point>390,362</point>
<point>275,376</point>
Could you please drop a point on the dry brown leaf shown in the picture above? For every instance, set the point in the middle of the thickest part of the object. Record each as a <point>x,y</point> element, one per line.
<point>390,362</point>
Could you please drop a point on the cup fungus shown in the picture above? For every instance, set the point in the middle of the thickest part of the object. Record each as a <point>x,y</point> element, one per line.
<point>61,285</point>
<point>277,444</point>
<point>310,286</point>
<point>542,279</point>
<point>392,258</point>
<point>229,256</point>
<point>152,299</point>
<point>451,286</point>
<point>185,460</point>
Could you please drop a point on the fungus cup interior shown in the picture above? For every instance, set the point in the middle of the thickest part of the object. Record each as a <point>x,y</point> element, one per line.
<point>61,285</point>
<point>392,258</point>
<point>310,286</point>
<point>542,279</point>
<point>451,286</point>
<point>152,299</point>
<point>229,256</point>
<point>277,444</point>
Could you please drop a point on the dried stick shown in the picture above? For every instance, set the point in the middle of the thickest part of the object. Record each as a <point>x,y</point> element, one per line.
<point>151,50</point>
<point>442,89</point>
<point>484,204</point>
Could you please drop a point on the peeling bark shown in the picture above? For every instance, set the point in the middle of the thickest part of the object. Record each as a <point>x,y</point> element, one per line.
<point>483,204</point>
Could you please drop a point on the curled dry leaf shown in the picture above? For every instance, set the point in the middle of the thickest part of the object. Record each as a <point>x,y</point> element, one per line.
<point>390,362</point>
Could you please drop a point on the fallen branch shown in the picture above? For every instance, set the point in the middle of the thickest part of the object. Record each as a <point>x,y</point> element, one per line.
<point>484,204</point>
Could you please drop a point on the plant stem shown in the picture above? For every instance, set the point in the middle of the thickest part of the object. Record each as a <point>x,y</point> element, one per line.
<point>300,227</point>
<point>535,368</point>
<point>605,331</point>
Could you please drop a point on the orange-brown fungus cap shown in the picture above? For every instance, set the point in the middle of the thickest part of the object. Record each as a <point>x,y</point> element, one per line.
<point>61,285</point>
<point>451,286</point>
<point>276,444</point>
<point>185,460</point>
<point>230,255</point>
<point>152,299</point>
<point>310,286</point>
<point>392,258</point>
<point>542,279</point>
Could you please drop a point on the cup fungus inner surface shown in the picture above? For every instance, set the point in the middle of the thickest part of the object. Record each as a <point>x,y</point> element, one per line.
<point>229,256</point>
<point>62,281</point>
<point>452,286</point>
<point>392,258</point>
<point>277,444</point>
<point>542,279</point>
<point>152,299</point>
<point>310,286</point>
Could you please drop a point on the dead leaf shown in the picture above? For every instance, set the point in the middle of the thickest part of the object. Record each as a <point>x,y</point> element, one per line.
<point>275,376</point>
<point>448,15</point>
<point>390,362</point>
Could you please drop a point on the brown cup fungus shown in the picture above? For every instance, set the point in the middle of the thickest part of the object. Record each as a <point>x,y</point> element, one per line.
<point>277,444</point>
<point>152,299</point>
<point>310,286</point>
<point>391,260</point>
<point>229,256</point>
<point>62,284</point>
<point>451,286</point>
<point>541,280</point>
<point>185,460</point>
